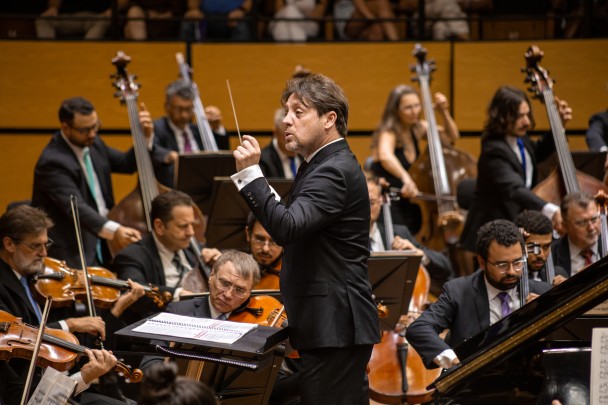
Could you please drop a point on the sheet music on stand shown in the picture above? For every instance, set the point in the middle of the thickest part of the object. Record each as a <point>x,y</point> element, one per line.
<point>392,275</point>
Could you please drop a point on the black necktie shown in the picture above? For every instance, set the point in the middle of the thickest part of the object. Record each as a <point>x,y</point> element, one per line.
<point>179,267</point>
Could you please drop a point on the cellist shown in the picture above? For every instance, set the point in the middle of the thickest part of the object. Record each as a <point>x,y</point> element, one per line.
<point>24,242</point>
<point>507,164</point>
<point>77,162</point>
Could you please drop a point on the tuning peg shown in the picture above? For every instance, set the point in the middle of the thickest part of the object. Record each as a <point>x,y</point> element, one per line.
<point>134,77</point>
<point>113,76</point>
<point>117,94</point>
<point>412,68</point>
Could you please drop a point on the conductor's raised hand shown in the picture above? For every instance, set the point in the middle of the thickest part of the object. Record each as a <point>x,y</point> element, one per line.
<point>247,154</point>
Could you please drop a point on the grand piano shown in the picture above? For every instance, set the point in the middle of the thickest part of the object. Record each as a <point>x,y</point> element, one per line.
<point>523,359</point>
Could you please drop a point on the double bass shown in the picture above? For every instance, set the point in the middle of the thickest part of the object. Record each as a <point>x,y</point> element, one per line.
<point>134,209</point>
<point>569,180</point>
<point>438,171</point>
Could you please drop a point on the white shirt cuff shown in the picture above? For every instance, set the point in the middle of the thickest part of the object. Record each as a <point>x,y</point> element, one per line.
<point>64,325</point>
<point>246,176</point>
<point>108,230</point>
<point>549,209</point>
<point>445,358</point>
<point>81,386</point>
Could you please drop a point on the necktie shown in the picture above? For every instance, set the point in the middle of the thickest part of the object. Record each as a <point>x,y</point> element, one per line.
<point>179,267</point>
<point>302,168</point>
<point>187,144</point>
<point>23,281</point>
<point>292,164</point>
<point>522,152</point>
<point>222,317</point>
<point>505,308</point>
<point>88,165</point>
<point>588,256</point>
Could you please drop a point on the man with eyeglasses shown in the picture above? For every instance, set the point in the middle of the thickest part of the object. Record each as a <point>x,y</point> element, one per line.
<point>538,236</point>
<point>579,247</point>
<point>232,278</point>
<point>163,257</point>
<point>468,305</point>
<point>77,162</point>
<point>265,252</point>
<point>23,246</point>
<point>175,134</point>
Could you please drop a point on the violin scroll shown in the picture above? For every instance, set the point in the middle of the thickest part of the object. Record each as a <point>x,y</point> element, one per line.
<point>160,299</point>
<point>124,370</point>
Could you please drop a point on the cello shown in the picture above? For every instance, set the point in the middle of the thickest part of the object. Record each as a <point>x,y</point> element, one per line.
<point>552,189</point>
<point>438,171</point>
<point>397,374</point>
<point>134,209</point>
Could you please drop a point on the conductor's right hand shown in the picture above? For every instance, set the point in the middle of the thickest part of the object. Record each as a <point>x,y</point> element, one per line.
<point>247,154</point>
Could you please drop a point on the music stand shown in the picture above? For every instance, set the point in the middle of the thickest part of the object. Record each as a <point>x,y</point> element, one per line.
<point>194,174</point>
<point>228,213</point>
<point>392,275</point>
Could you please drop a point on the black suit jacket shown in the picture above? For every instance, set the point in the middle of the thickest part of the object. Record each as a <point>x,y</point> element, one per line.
<point>325,232</point>
<point>500,190</point>
<point>58,175</point>
<point>270,162</point>
<point>164,142</point>
<point>462,308</point>
<point>597,133</point>
<point>141,262</point>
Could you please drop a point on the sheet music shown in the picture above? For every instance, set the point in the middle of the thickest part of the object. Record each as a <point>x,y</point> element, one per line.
<point>601,309</point>
<point>54,388</point>
<point>211,330</point>
<point>599,366</point>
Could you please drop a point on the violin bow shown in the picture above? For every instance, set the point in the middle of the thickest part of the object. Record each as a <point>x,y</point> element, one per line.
<point>87,281</point>
<point>30,373</point>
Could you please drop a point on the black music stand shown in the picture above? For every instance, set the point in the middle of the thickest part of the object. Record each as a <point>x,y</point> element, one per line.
<point>229,211</point>
<point>241,373</point>
<point>392,275</point>
<point>194,174</point>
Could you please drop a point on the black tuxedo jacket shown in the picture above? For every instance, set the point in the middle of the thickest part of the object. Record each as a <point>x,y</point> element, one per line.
<point>324,230</point>
<point>58,175</point>
<point>462,308</point>
<point>270,162</point>
<point>560,250</point>
<point>164,142</point>
<point>500,191</point>
<point>141,262</point>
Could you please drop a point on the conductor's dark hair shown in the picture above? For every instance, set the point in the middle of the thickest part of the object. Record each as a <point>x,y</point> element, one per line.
<point>534,222</point>
<point>162,386</point>
<point>504,232</point>
<point>321,93</point>
<point>74,105</point>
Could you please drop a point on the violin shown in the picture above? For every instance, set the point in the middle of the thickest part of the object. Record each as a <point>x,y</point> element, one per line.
<point>66,285</point>
<point>263,310</point>
<point>270,281</point>
<point>59,350</point>
<point>554,187</point>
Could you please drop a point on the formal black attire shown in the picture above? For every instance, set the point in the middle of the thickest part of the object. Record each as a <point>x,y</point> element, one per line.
<point>270,162</point>
<point>324,230</point>
<point>542,273</point>
<point>462,308</point>
<point>165,142</point>
<point>597,133</point>
<point>141,262</point>
<point>57,176</point>
<point>403,211</point>
<point>500,191</point>
<point>439,266</point>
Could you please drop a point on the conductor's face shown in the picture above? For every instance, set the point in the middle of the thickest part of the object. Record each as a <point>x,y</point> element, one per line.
<point>228,289</point>
<point>83,129</point>
<point>305,131</point>
<point>175,234</point>
<point>504,265</point>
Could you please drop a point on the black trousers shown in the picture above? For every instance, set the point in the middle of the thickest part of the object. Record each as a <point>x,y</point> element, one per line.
<point>334,376</point>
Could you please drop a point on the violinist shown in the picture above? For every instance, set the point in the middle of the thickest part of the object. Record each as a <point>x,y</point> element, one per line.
<point>265,251</point>
<point>23,247</point>
<point>395,146</point>
<point>468,305</point>
<point>437,264</point>
<point>232,278</point>
<point>163,257</point>
<point>579,247</point>
<point>507,164</point>
<point>175,134</point>
<point>540,235</point>
<point>77,162</point>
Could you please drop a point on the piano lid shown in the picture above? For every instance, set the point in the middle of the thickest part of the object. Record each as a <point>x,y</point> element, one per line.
<point>525,326</point>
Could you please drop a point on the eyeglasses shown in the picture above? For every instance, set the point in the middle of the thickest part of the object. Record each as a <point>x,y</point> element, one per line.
<point>585,222</point>
<point>37,247</point>
<point>87,130</point>
<point>518,265</point>
<point>261,241</point>
<point>224,286</point>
